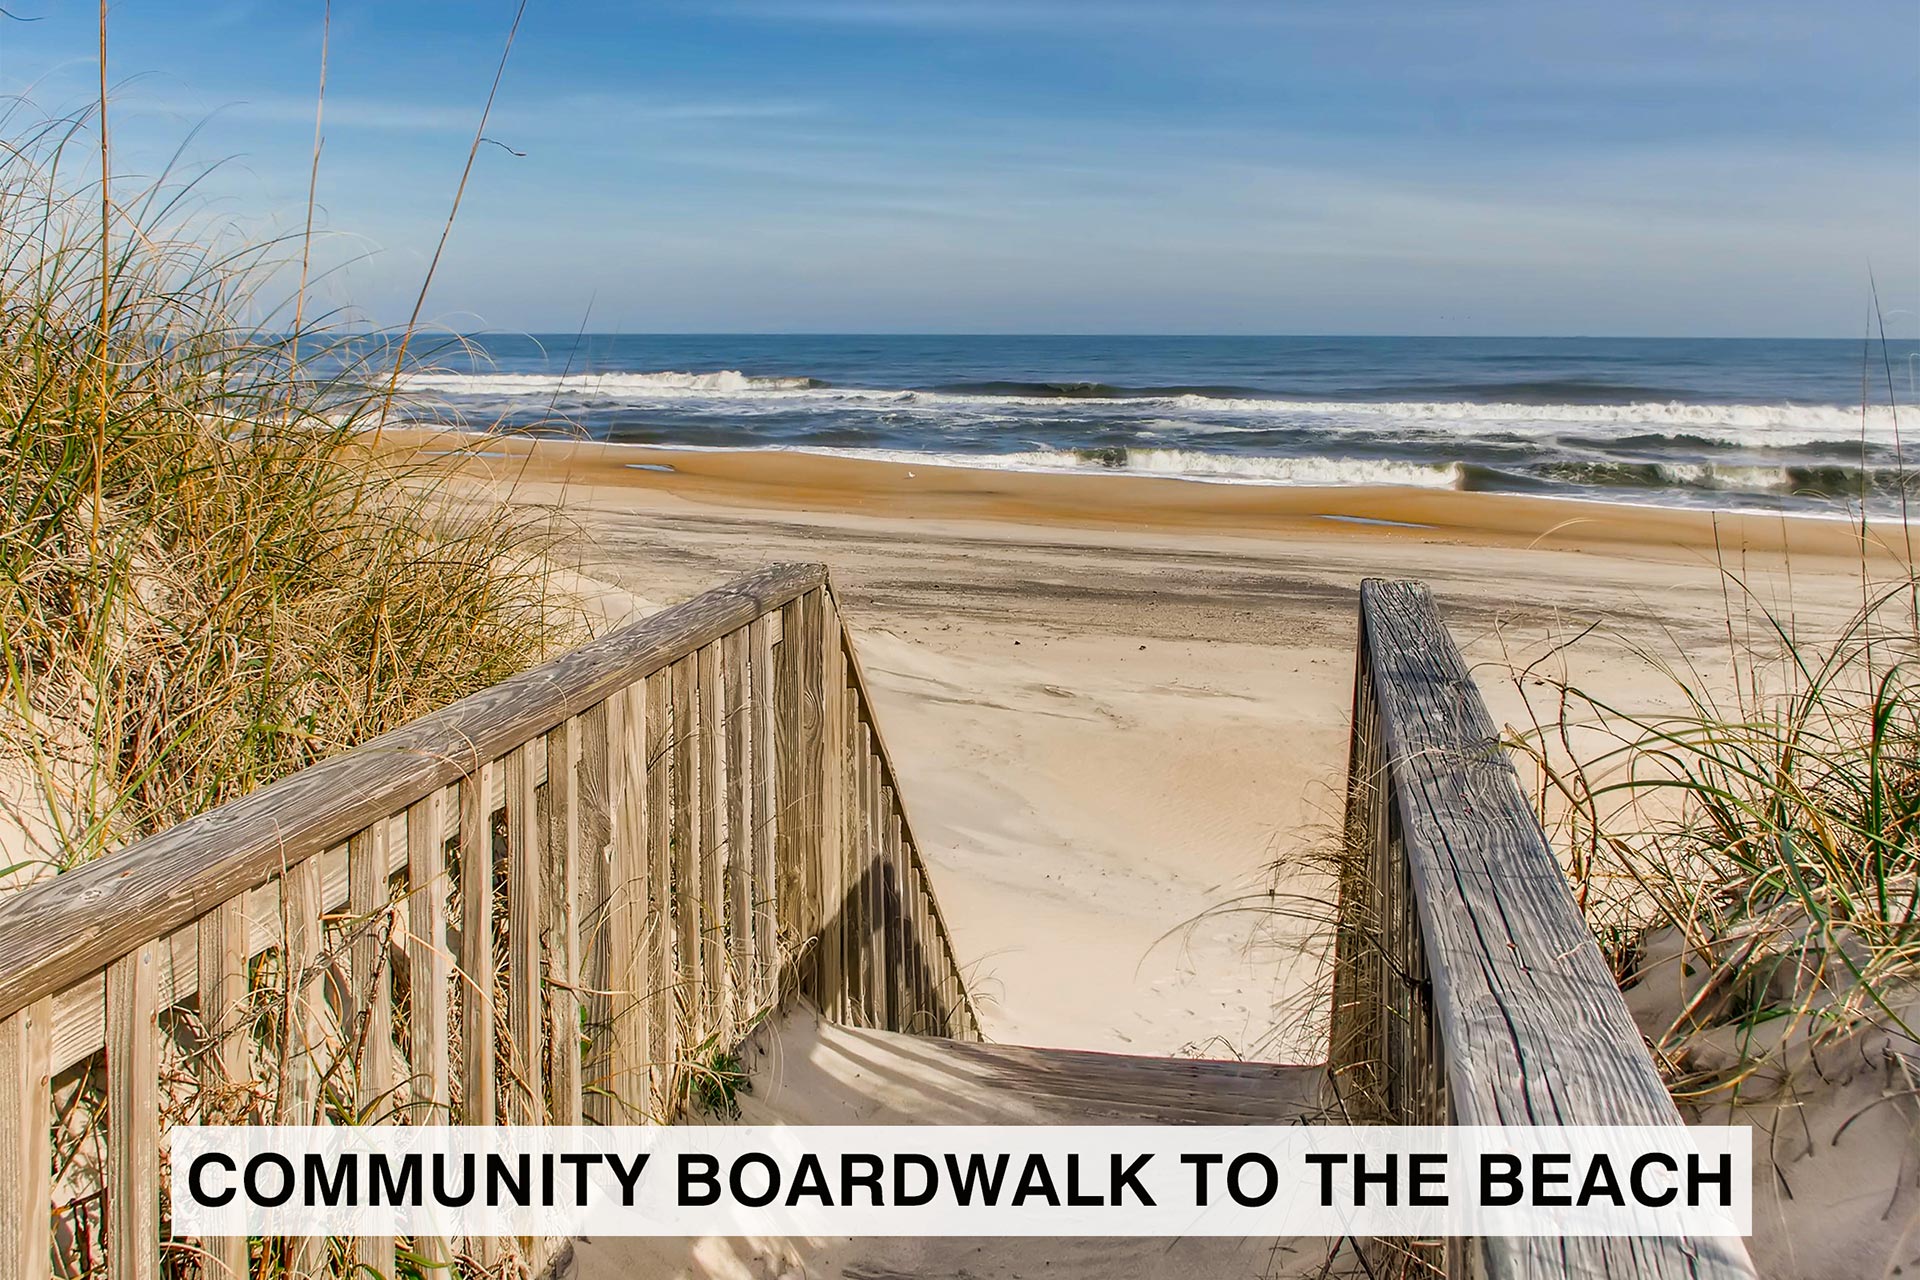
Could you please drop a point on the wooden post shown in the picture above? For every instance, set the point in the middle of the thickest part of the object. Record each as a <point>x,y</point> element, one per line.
<point>26,1127</point>
<point>133,1117</point>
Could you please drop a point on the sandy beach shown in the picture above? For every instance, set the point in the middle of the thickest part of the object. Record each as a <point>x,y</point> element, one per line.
<point>1118,701</point>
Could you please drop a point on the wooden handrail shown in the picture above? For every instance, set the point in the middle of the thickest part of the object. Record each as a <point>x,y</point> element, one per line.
<point>62,930</point>
<point>1469,989</point>
<point>561,900</point>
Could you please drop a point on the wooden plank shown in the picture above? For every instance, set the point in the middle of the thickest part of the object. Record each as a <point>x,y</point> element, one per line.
<point>221,1061</point>
<point>664,1028</point>
<point>594,732</point>
<point>305,1026</point>
<point>369,1001</point>
<point>736,685</point>
<point>829,806</point>
<point>26,1128</point>
<point>627,910</point>
<point>686,837</point>
<point>858,911</point>
<point>710,775</point>
<point>477,1070</point>
<point>429,961</point>
<point>898,1002</point>
<point>765,879</point>
<point>798,764</point>
<point>429,977</point>
<point>60,932</point>
<point>1533,1028</point>
<point>133,1116</point>
<point>560,892</point>
<point>873,877</point>
<point>526,1019</point>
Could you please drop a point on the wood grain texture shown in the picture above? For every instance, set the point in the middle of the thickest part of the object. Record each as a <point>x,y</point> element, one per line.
<point>59,932</point>
<point>305,1019</point>
<point>736,681</point>
<point>1532,1027</point>
<point>133,1116</point>
<point>369,1002</point>
<point>476,975</point>
<point>560,933</point>
<point>526,1019</point>
<point>26,1127</point>
<point>686,856</point>
<point>664,1028</point>
<point>593,731</point>
<point>632,981</point>
<point>765,837</point>
<point>429,961</point>
<point>710,780</point>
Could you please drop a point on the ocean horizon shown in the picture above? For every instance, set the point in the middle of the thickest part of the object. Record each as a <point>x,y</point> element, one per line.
<point>1811,425</point>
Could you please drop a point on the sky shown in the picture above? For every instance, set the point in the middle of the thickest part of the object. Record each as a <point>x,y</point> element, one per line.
<point>1630,167</point>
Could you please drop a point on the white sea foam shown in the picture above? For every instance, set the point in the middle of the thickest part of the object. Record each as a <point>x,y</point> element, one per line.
<point>730,391</point>
<point>1185,464</point>
<point>603,385</point>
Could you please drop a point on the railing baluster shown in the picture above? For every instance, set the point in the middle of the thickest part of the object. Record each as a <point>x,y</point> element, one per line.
<point>762,876</point>
<point>477,1105</point>
<point>627,910</point>
<point>560,889</point>
<point>686,864</point>
<point>525,1017</point>
<point>26,1136</point>
<point>712,784</point>
<point>736,682</point>
<point>369,1000</point>
<point>222,981</point>
<point>671,840</point>
<point>664,1023</point>
<point>594,733</point>
<point>133,1116</point>
<point>429,973</point>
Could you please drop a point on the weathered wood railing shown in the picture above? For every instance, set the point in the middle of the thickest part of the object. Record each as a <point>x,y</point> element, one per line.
<point>556,901</point>
<point>1468,989</point>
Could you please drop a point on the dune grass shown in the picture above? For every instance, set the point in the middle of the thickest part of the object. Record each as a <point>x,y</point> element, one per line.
<point>1762,833</point>
<point>206,578</point>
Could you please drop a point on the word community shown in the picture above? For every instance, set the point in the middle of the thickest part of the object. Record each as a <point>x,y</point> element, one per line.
<point>962,1180</point>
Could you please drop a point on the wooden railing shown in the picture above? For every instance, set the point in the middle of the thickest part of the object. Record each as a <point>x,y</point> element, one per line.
<point>560,900</point>
<point>1468,989</point>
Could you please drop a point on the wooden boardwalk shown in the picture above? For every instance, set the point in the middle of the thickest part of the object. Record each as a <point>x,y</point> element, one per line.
<point>555,901</point>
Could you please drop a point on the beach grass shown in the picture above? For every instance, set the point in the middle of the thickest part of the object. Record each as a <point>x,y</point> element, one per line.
<point>1759,836</point>
<point>207,580</point>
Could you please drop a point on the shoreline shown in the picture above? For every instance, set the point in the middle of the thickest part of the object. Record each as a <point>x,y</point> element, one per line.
<point>792,480</point>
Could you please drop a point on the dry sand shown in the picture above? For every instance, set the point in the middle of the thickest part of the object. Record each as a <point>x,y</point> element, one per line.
<point>1117,702</point>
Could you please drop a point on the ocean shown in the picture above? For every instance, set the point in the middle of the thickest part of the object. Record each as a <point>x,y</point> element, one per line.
<point>1807,425</point>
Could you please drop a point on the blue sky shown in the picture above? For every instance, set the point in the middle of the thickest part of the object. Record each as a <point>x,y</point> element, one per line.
<point>1475,166</point>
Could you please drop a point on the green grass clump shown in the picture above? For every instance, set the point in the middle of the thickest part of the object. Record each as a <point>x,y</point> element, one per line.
<point>207,577</point>
<point>1763,838</point>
